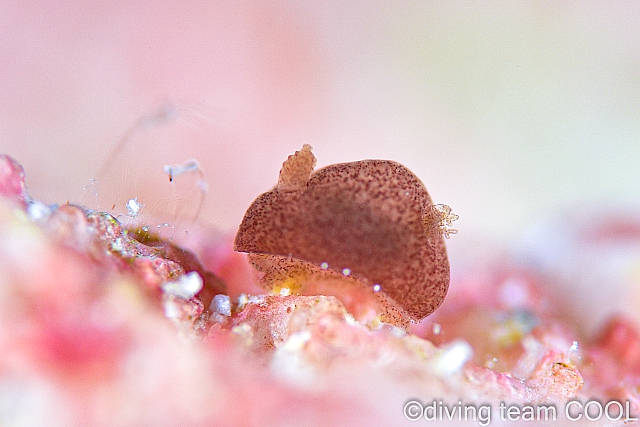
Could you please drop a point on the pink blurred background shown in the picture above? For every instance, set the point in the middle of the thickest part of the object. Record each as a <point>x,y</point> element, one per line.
<point>508,111</point>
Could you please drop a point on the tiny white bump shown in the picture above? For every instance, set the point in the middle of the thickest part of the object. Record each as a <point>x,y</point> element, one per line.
<point>437,328</point>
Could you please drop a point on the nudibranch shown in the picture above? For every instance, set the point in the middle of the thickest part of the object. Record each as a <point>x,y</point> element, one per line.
<point>366,232</point>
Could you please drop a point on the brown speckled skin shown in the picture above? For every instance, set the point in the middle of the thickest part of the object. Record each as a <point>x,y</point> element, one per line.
<point>366,216</point>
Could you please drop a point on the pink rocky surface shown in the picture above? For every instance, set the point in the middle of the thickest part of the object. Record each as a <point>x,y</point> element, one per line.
<point>102,326</point>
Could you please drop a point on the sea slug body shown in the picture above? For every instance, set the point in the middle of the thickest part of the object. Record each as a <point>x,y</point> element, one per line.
<point>372,218</point>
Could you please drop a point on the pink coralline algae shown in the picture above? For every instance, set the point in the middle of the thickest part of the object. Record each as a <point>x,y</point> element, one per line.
<point>12,179</point>
<point>100,239</point>
<point>100,325</point>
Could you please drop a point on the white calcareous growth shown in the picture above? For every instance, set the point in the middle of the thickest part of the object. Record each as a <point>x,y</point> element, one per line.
<point>186,286</point>
<point>133,207</point>
<point>221,304</point>
<point>289,363</point>
<point>452,358</point>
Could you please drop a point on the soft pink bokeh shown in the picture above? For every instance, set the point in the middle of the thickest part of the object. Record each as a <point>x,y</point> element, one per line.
<point>78,75</point>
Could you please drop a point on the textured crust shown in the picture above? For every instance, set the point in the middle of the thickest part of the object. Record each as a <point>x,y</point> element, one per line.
<point>366,216</point>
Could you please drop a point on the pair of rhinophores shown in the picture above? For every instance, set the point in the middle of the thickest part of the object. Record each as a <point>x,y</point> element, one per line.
<point>364,230</point>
